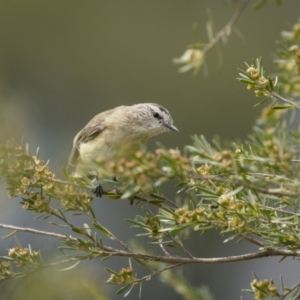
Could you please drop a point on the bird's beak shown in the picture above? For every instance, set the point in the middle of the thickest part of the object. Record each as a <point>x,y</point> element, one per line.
<point>171,126</point>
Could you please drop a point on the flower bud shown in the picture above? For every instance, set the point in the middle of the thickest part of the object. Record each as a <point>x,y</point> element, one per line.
<point>259,93</point>
<point>294,49</point>
<point>253,73</point>
<point>262,82</point>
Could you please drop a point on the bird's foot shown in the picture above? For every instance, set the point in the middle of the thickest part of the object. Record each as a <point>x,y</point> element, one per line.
<point>98,191</point>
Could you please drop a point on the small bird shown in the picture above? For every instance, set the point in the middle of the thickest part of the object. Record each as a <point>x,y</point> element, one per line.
<point>117,133</point>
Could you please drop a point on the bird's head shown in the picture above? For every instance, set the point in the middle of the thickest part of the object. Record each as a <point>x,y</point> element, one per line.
<point>151,119</point>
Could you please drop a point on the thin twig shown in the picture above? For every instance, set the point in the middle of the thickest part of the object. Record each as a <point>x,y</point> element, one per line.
<point>180,245</point>
<point>164,198</point>
<point>35,231</point>
<point>297,297</point>
<point>157,272</point>
<point>53,213</point>
<point>252,240</point>
<point>111,235</point>
<point>227,28</point>
<point>266,175</point>
<point>144,199</point>
<point>275,95</point>
<point>294,287</point>
<point>120,242</point>
<point>70,183</point>
<point>115,193</point>
<point>92,238</point>
<point>164,249</point>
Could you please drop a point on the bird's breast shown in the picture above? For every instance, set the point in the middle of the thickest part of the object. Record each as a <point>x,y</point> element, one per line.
<point>109,148</point>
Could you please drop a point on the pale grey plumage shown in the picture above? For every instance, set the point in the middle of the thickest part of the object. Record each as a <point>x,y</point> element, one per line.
<point>116,133</point>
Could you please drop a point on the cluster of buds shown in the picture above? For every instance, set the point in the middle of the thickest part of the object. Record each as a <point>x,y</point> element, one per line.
<point>293,35</point>
<point>227,212</point>
<point>289,67</point>
<point>192,59</point>
<point>204,169</point>
<point>255,80</point>
<point>5,269</point>
<point>28,175</point>
<point>135,174</point>
<point>183,215</point>
<point>139,162</point>
<point>288,61</point>
<point>37,203</point>
<point>264,289</point>
<point>230,203</point>
<point>259,83</point>
<point>177,164</point>
<point>274,154</point>
<point>148,163</point>
<point>153,226</point>
<point>230,210</point>
<point>225,157</point>
<point>22,171</point>
<point>296,54</point>
<point>271,145</point>
<point>23,256</point>
<point>289,238</point>
<point>72,200</point>
<point>144,170</point>
<point>125,276</point>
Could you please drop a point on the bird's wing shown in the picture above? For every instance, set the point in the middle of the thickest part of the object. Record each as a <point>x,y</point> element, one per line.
<point>85,135</point>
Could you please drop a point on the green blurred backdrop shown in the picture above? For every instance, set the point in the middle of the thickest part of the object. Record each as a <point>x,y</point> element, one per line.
<point>62,62</point>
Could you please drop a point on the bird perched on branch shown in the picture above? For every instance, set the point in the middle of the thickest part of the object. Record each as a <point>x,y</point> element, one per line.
<point>117,133</point>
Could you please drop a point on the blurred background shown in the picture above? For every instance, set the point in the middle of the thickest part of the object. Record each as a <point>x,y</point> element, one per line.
<point>62,62</point>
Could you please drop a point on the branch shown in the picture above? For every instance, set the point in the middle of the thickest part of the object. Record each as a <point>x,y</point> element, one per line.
<point>164,198</point>
<point>57,235</point>
<point>209,261</point>
<point>157,272</point>
<point>164,249</point>
<point>116,193</point>
<point>227,28</point>
<point>113,237</point>
<point>294,287</point>
<point>252,240</point>
<point>53,213</point>
<point>275,95</point>
<point>35,231</point>
<point>168,259</point>
<point>180,245</point>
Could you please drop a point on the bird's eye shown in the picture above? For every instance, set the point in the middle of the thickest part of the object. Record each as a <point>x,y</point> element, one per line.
<point>156,115</point>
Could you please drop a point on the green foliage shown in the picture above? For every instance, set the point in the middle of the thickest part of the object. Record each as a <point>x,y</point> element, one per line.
<point>263,289</point>
<point>259,4</point>
<point>249,190</point>
<point>288,61</point>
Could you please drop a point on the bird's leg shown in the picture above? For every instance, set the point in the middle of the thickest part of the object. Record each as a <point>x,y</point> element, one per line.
<point>98,190</point>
